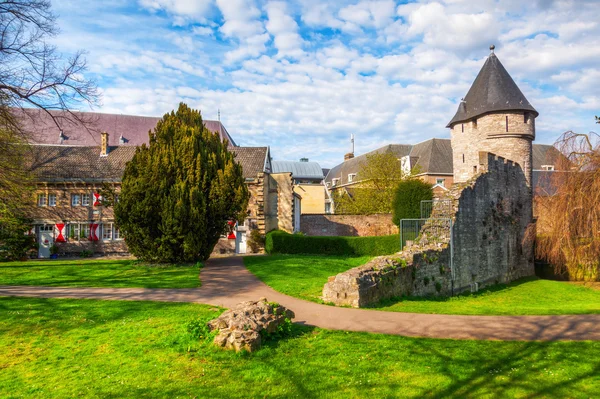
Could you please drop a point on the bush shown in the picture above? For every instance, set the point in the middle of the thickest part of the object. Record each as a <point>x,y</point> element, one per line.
<point>408,197</point>
<point>256,241</point>
<point>280,242</point>
<point>15,245</point>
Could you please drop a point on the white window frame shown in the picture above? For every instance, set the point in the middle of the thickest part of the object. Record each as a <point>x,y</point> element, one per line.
<point>84,228</point>
<point>42,199</point>
<point>51,199</point>
<point>104,231</point>
<point>75,199</point>
<point>75,229</point>
<point>351,177</point>
<point>116,233</point>
<point>334,182</point>
<point>443,182</point>
<point>85,200</point>
<point>548,167</point>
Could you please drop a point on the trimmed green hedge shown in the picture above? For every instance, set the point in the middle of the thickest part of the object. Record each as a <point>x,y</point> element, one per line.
<point>280,242</point>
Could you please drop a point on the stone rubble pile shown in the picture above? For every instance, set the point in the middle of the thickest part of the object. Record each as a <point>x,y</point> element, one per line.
<point>240,327</point>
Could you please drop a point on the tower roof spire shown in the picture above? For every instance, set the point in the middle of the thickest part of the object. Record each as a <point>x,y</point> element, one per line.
<point>493,90</point>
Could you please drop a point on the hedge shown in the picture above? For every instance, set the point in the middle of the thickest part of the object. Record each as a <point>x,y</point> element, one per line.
<point>280,242</point>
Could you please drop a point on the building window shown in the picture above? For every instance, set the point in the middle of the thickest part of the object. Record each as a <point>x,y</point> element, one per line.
<point>474,169</point>
<point>335,182</point>
<point>41,199</point>
<point>84,231</point>
<point>547,167</point>
<point>462,127</point>
<point>117,233</point>
<point>507,123</point>
<point>51,199</point>
<point>328,184</point>
<point>85,199</point>
<point>525,117</point>
<point>463,158</point>
<point>351,177</point>
<point>107,229</point>
<point>74,232</point>
<point>440,182</point>
<point>474,123</point>
<point>75,199</point>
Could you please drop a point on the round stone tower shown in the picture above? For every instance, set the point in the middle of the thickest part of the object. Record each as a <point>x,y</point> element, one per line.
<point>495,117</point>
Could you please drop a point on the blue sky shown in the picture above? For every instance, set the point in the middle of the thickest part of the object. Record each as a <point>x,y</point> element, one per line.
<point>301,76</point>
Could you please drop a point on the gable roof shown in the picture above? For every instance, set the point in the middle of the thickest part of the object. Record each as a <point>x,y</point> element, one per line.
<point>434,156</point>
<point>42,129</point>
<point>342,170</point>
<point>493,90</point>
<point>56,163</point>
<point>545,154</point>
<point>299,170</point>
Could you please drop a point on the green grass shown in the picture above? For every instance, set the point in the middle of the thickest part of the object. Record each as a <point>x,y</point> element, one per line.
<point>60,348</point>
<point>304,276</point>
<point>98,273</point>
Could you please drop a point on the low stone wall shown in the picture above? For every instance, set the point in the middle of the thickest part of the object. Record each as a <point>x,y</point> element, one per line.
<point>426,274</point>
<point>105,248</point>
<point>348,225</point>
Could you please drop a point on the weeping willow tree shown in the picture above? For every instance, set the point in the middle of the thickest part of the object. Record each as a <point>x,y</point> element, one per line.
<point>179,192</point>
<point>570,238</point>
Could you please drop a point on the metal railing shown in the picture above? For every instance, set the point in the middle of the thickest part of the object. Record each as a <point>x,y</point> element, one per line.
<point>443,208</point>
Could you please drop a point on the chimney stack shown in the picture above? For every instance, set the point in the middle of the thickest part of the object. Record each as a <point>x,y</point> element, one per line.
<point>348,156</point>
<point>104,144</point>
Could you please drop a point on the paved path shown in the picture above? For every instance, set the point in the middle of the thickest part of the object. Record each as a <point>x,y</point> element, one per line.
<point>226,282</point>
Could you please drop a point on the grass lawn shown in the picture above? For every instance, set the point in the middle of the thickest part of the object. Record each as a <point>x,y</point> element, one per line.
<point>98,273</point>
<point>111,349</point>
<point>304,276</point>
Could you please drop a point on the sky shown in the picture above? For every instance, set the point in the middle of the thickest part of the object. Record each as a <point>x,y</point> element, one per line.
<point>300,76</point>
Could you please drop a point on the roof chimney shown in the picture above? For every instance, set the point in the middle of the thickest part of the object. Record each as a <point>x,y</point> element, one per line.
<point>348,156</point>
<point>104,144</point>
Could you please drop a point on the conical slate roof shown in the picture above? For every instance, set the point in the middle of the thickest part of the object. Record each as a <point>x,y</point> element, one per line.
<point>493,90</point>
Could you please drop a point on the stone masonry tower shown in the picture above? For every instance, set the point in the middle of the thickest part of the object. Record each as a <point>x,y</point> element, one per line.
<point>494,117</point>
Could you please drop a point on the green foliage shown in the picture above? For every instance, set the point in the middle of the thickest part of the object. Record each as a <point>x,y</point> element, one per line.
<point>15,244</point>
<point>284,330</point>
<point>408,197</point>
<point>179,192</point>
<point>85,254</point>
<point>280,242</point>
<point>256,241</point>
<point>198,329</point>
<point>373,193</point>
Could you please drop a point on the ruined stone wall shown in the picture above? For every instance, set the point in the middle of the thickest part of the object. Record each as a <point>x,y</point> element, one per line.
<point>348,225</point>
<point>492,233</point>
<point>489,133</point>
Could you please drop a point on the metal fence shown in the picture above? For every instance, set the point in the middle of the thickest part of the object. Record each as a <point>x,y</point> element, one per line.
<point>443,208</point>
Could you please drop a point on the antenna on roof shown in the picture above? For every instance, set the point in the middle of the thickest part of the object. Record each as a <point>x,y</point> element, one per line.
<point>219,114</point>
<point>352,143</point>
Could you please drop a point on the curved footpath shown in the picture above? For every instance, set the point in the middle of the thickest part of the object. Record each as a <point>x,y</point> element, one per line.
<point>226,282</point>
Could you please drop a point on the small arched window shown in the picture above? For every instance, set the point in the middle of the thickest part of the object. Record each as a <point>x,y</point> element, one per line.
<point>507,123</point>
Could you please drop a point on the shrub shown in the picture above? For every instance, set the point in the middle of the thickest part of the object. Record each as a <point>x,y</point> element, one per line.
<point>256,241</point>
<point>407,199</point>
<point>15,245</point>
<point>179,192</point>
<point>280,242</point>
<point>85,254</point>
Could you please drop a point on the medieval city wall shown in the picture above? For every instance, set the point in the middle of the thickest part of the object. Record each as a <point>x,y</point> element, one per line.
<point>492,243</point>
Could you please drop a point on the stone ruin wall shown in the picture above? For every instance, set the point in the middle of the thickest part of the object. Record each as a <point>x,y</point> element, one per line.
<point>493,243</point>
<point>348,225</point>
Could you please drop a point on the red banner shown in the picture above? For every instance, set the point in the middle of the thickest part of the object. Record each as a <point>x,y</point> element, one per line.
<point>94,232</point>
<point>60,232</point>
<point>97,199</point>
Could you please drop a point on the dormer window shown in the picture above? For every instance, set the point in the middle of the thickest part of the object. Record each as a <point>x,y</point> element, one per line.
<point>335,182</point>
<point>351,177</point>
<point>547,167</point>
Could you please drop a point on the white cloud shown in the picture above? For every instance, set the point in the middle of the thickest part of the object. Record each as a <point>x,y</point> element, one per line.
<point>183,9</point>
<point>284,30</point>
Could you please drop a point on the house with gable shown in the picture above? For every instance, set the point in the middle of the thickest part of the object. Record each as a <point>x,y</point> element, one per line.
<point>72,161</point>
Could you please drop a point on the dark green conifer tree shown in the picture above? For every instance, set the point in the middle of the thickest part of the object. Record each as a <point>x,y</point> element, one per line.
<point>179,192</point>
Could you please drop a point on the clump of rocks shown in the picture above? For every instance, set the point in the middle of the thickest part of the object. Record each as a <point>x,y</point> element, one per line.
<point>242,327</point>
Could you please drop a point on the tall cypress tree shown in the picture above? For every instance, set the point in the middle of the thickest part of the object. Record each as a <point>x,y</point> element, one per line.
<point>179,192</point>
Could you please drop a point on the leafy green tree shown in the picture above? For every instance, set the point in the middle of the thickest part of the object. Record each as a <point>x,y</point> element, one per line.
<point>373,192</point>
<point>408,197</point>
<point>179,192</point>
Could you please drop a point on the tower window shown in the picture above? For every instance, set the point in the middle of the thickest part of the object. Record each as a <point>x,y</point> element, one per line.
<point>474,123</point>
<point>507,123</point>
<point>462,127</point>
<point>525,117</point>
<point>463,158</point>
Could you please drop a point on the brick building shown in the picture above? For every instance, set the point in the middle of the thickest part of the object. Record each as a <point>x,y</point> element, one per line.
<point>73,162</point>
